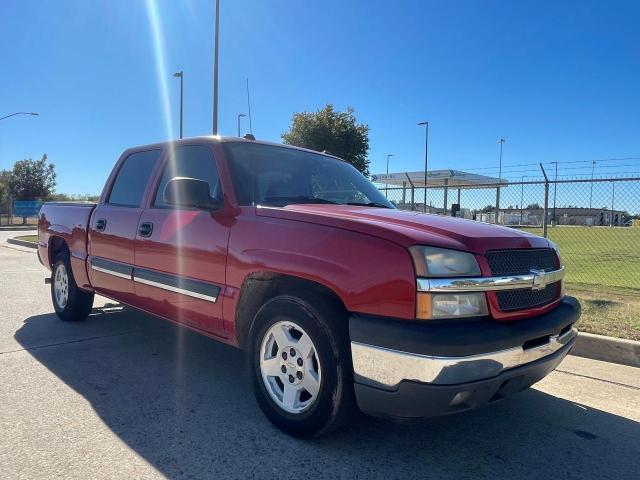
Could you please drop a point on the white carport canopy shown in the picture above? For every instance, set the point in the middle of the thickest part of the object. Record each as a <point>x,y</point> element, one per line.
<point>436,178</point>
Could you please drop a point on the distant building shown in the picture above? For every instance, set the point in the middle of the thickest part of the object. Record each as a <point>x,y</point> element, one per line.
<point>588,217</point>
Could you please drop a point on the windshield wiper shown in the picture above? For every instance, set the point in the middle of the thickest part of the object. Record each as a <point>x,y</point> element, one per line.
<point>370,204</point>
<point>298,199</point>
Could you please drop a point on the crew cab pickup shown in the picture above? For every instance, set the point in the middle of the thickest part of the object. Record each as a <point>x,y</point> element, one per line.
<point>338,298</point>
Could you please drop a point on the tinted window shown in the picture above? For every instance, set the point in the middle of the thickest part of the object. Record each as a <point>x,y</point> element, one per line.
<point>271,175</point>
<point>192,161</point>
<point>132,178</point>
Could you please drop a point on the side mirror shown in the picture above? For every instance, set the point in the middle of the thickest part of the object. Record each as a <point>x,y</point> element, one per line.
<point>189,192</point>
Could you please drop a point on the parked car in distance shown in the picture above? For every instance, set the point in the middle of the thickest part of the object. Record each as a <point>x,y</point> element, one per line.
<point>339,300</point>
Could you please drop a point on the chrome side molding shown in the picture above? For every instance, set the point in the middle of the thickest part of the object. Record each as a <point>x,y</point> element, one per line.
<point>173,283</point>
<point>110,267</point>
<point>535,280</point>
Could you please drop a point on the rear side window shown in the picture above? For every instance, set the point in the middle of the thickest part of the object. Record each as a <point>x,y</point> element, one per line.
<point>132,179</point>
<point>192,161</point>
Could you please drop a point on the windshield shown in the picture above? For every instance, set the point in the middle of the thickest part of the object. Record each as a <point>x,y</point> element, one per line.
<point>278,176</point>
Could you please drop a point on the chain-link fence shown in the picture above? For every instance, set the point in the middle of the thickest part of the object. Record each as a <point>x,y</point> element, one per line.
<point>594,222</point>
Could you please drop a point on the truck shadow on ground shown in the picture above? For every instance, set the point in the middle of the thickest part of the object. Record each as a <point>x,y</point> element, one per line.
<point>182,402</point>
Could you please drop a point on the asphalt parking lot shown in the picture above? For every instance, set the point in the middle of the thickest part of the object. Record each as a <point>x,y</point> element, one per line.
<point>124,395</point>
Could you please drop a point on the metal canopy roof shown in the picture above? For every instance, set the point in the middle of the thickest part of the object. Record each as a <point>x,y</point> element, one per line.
<point>436,178</point>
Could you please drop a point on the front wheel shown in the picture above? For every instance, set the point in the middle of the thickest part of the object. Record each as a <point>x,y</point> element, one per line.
<point>300,365</point>
<point>69,302</point>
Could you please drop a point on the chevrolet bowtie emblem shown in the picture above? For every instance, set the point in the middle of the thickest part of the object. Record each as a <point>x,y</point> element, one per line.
<point>539,279</point>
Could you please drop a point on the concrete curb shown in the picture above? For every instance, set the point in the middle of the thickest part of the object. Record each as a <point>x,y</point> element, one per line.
<point>17,228</point>
<point>22,243</point>
<point>608,349</point>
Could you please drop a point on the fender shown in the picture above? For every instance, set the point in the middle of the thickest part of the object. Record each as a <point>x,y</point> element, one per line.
<point>367,274</point>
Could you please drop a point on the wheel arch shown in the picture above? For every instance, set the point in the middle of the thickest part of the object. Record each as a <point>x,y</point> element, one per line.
<point>258,287</point>
<point>57,245</point>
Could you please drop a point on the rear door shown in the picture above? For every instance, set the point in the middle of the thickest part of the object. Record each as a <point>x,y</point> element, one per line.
<point>181,252</point>
<point>114,224</point>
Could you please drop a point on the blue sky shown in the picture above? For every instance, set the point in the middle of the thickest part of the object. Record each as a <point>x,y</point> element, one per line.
<point>558,80</point>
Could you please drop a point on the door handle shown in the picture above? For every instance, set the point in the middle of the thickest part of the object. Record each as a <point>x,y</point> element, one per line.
<point>145,229</point>
<point>101,224</point>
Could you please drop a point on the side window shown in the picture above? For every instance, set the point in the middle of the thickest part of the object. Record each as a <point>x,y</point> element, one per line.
<point>132,179</point>
<point>192,161</point>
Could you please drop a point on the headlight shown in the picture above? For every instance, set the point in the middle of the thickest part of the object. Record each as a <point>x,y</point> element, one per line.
<point>434,306</point>
<point>441,262</point>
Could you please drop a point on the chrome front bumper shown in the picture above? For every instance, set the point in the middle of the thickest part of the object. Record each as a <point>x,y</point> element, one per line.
<point>385,368</point>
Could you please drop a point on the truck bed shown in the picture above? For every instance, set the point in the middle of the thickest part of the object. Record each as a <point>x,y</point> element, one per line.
<point>68,221</point>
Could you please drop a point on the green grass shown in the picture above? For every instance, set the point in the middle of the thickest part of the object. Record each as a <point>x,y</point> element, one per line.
<point>599,256</point>
<point>28,238</point>
<point>603,272</point>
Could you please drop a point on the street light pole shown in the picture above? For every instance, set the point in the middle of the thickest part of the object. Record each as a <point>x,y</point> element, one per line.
<point>19,113</point>
<point>240,115</point>
<point>502,141</point>
<point>180,75</point>
<point>386,188</point>
<point>426,159</point>
<point>593,166</point>
<point>215,69</point>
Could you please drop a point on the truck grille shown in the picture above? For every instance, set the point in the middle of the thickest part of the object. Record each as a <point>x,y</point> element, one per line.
<point>523,298</point>
<point>520,262</point>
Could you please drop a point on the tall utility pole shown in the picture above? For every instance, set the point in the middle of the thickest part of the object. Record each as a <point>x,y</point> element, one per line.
<point>215,69</point>
<point>502,141</point>
<point>240,115</point>
<point>180,75</point>
<point>426,159</point>
<point>249,109</point>
<point>593,166</point>
<point>555,188</point>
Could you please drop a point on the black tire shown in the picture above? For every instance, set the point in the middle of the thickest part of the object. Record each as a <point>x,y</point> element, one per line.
<point>79,302</point>
<point>327,328</point>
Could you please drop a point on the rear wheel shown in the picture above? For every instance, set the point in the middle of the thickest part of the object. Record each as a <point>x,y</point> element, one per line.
<point>300,365</point>
<point>69,302</point>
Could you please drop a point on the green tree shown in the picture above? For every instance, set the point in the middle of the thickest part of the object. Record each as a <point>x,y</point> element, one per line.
<point>336,132</point>
<point>533,206</point>
<point>5,183</point>
<point>31,179</point>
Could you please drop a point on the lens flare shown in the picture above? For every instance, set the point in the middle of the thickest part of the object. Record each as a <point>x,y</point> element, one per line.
<point>157,39</point>
<point>162,74</point>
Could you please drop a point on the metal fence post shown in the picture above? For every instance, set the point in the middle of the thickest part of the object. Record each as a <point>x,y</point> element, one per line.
<point>446,196</point>
<point>546,202</point>
<point>497,204</point>
<point>413,191</point>
<point>613,195</point>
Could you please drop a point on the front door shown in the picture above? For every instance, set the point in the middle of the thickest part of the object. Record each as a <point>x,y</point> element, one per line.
<point>114,224</point>
<point>180,253</point>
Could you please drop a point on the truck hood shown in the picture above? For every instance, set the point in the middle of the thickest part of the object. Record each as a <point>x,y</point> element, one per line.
<point>409,228</point>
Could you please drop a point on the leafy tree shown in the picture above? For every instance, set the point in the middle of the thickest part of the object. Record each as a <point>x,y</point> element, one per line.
<point>333,131</point>
<point>488,208</point>
<point>5,176</point>
<point>534,206</point>
<point>31,179</point>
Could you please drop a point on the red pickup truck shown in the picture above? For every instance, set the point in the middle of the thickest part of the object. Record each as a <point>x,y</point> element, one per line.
<point>338,298</point>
